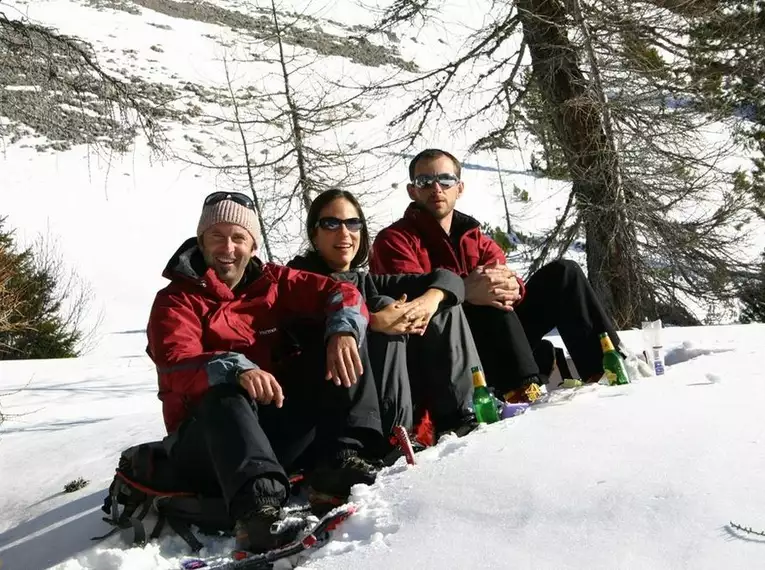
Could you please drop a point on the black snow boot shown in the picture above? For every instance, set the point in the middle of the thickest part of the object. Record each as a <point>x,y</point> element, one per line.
<point>331,481</point>
<point>258,530</point>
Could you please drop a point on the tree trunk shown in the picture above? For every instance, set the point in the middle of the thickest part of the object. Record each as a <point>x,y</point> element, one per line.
<point>612,257</point>
<point>297,129</point>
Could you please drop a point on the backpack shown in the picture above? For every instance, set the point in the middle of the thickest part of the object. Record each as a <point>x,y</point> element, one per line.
<point>145,483</point>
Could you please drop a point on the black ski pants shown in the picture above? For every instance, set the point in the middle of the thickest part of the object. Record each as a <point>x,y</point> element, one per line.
<point>234,447</point>
<point>558,295</point>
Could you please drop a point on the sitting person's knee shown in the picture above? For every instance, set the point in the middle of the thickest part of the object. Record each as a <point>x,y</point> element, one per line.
<point>562,268</point>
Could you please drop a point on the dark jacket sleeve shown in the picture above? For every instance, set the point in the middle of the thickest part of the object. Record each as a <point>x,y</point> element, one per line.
<point>415,285</point>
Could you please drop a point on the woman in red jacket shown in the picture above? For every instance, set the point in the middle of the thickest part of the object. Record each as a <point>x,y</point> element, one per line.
<point>423,343</point>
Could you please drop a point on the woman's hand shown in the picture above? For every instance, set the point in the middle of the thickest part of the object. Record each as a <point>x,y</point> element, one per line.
<point>413,317</point>
<point>421,310</point>
<point>391,320</point>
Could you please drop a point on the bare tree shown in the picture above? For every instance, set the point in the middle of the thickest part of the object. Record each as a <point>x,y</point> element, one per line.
<point>52,84</point>
<point>298,132</point>
<point>662,213</point>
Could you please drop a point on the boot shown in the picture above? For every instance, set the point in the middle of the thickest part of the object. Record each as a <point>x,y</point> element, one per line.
<point>331,481</point>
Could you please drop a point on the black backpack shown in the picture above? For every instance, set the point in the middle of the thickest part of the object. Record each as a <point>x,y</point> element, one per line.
<point>144,482</point>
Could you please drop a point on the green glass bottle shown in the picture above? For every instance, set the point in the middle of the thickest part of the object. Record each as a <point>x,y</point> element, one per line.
<point>613,365</point>
<point>484,406</point>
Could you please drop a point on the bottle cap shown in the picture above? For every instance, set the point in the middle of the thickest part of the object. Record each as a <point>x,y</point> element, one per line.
<point>478,379</point>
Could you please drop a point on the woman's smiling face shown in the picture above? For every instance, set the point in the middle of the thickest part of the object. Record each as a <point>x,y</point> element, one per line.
<point>340,245</point>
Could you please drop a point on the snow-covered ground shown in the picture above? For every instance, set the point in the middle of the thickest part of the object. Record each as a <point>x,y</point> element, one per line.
<point>647,475</point>
<point>642,476</point>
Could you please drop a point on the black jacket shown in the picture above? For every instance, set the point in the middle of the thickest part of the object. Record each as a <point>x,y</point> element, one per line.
<point>381,290</point>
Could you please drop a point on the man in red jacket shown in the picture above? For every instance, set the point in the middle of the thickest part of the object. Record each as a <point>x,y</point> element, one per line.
<point>241,400</point>
<point>507,318</point>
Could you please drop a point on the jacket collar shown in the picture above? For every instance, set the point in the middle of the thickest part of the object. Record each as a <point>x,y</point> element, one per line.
<point>310,261</point>
<point>313,262</point>
<point>429,226</point>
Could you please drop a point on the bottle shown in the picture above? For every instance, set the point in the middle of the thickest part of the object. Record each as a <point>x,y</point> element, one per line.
<point>652,345</point>
<point>613,365</point>
<point>484,407</point>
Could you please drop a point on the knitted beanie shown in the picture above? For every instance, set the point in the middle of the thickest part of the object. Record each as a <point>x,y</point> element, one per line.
<point>228,211</point>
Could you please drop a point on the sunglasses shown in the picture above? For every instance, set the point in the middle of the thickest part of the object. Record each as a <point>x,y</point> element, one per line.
<point>333,224</point>
<point>445,180</point>
<point>237,197</point>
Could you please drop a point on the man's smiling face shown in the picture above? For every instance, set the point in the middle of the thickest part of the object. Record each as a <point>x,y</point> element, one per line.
<point>228,248</point>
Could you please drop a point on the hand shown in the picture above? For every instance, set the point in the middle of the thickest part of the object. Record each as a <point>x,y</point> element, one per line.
<point>391,319</point>
<point>494,285</point>
<point>510,287</point>
<point>262,387</point>
<point>343,360</point>
<point>421,310</point>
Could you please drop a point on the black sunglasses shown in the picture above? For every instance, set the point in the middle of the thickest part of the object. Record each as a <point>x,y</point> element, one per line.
<point>237,197</point>
<point>445,180</point>
<point>333,224</point>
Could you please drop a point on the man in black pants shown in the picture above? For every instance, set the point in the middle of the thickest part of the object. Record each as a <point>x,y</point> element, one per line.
<point>507,317</point>
<point>240,410</point>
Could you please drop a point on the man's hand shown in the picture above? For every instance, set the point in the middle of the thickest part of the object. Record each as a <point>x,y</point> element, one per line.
<point>262,387</point>
<point>421,310</point>
<point>343,360</point>
<point>494,285</point>
<point>509,285</point>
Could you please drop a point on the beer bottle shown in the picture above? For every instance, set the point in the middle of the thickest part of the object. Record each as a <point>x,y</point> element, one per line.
<point>484,406</point>
<point>613,365</point>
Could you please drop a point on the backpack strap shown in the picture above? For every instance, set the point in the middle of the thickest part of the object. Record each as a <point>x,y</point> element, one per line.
<point>158,526</point>
<point>183,530</point>
<point>125,519</point>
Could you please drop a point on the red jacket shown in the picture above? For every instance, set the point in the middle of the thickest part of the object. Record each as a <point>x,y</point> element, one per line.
<point>418,244</point>
<point>202,333</point>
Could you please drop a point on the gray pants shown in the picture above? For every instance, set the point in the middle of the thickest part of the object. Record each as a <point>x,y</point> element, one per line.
<point>439,368</point>
<point>429,372</point>
<point>387,354</point>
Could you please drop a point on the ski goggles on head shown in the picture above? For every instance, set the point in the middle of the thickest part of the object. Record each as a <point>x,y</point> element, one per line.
<point>333,224</point>
<point>237,197</point>
<point>445,180</point>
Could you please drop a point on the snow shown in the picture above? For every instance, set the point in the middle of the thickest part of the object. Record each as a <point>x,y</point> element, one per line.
<point>641,476</point>
<point>646,475</point>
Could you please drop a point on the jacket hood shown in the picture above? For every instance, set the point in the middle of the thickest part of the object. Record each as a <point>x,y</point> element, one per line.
<point>187,261</point>
<point>310,261</point>
<point>313,262</point>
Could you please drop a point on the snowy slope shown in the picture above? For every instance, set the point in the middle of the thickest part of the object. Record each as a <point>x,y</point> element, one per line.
<point>641,476</point>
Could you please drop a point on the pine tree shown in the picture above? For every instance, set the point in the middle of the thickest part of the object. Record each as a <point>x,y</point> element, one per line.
<point>753,297</point>
<point>34,322</point>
